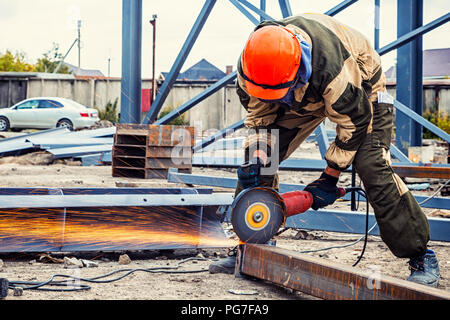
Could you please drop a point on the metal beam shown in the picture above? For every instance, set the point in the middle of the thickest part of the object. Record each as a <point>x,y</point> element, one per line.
<point>354,222</point>
<point>219,135</point>
<point>131,83</point>
<point>116,200</point>
<point>418,118</point>
<point>288,164</point>
<point>377,25</point>
<point>398,154</point>
<point>224,182</point>
<point>262,6</point>
<point>327,279</point>
<point>245,12</point>
<point>178,64</point>
<point>255,9</point>
<point>409,74</point>
<point>423,172</point>
<point>414,34</point>
<point>341,6</point>
<point>322,139</point>
<point>285,8</point>
<point>197,99</point>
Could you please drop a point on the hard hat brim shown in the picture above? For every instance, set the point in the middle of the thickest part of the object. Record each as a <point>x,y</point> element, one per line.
<point>265,94</point>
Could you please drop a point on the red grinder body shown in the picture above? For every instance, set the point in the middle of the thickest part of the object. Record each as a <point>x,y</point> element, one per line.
<point>297,202</point>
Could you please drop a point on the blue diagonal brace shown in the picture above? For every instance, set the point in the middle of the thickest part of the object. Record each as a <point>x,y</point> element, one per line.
<point>414,34</point>
<point>341,6</point>
<point>285,8</point>
<point>185,50</point>
<point>245,12</point>
<point>219,135</point>
<point>255,9</point>
<point>437,131</point>
<point>398,154</point>
<point>200,97</point>
<point>262,5</point>
<point>322,139</point>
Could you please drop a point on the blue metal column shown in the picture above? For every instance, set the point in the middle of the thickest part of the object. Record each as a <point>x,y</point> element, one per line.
<point>285,8</point>
<point>262,6</point>
<point>322,139</point>
<point>377,25</point>
<point>178,64</point>
<point>409,74</point>
<point>130,104</point>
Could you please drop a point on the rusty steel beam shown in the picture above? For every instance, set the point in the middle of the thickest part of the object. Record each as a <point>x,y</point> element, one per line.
<point>327,280</point>
<point>422,172</point>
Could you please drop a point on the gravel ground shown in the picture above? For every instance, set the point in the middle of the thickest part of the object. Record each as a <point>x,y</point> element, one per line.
<point>190,286</point>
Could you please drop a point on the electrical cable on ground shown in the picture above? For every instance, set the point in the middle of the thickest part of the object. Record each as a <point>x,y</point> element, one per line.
<point>435,193</point>
<point>360,191</point>
<point>70,282</point>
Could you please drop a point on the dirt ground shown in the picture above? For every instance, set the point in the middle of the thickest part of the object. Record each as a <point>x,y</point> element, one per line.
<point>195,286</point>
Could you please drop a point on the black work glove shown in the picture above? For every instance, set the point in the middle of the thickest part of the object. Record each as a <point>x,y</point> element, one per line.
<point>324,191</point>
<point>249,173</point>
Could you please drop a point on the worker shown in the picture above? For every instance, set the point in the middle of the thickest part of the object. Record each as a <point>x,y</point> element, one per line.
<point>294,73</point>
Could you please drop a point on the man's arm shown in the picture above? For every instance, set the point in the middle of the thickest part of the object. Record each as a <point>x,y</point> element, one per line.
<point>259,143</point>
<point>347,104</point>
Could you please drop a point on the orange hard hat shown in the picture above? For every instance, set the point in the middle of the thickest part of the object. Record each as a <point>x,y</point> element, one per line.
<point>270,62</point>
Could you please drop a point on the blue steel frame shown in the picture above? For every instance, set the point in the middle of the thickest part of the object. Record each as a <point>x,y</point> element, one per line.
<point>409,74</point>
<point>225,182</point>
<point>130,104</point>
<point>410,29</point>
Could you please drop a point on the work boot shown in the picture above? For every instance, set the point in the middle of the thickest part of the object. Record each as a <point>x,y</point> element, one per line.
<point>425,269</point>
<point>225,265</point>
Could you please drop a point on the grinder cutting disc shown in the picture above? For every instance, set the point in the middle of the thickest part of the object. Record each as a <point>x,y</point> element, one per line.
<point>257,215</point>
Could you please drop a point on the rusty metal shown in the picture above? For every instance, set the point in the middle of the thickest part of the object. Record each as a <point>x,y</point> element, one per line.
<point>148,151</point>
<point>422,172</point>
<point>325,279</point>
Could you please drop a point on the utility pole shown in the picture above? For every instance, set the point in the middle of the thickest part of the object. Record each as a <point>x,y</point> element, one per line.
<point>109,67</point>
<point>153,22</point>
<point>79,46</point>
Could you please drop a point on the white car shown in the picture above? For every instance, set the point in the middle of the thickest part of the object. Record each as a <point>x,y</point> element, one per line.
<point>47,113</point>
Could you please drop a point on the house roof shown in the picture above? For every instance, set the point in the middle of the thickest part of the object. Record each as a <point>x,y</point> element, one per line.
<point>436,65</point>
<point>83,72</point>
<point>202,70</point>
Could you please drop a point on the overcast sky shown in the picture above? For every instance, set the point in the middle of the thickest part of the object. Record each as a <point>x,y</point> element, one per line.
<point>31,26</point>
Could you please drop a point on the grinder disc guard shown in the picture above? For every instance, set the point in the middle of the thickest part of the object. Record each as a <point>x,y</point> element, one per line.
<point>257,215</point>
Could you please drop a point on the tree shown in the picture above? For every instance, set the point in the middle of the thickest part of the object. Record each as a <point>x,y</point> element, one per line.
<point>110,112</point>
<point>10,62</point>
<point>50,61</point>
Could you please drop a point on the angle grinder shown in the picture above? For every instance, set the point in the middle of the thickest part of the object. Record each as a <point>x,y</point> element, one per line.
<point>258,213</point>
